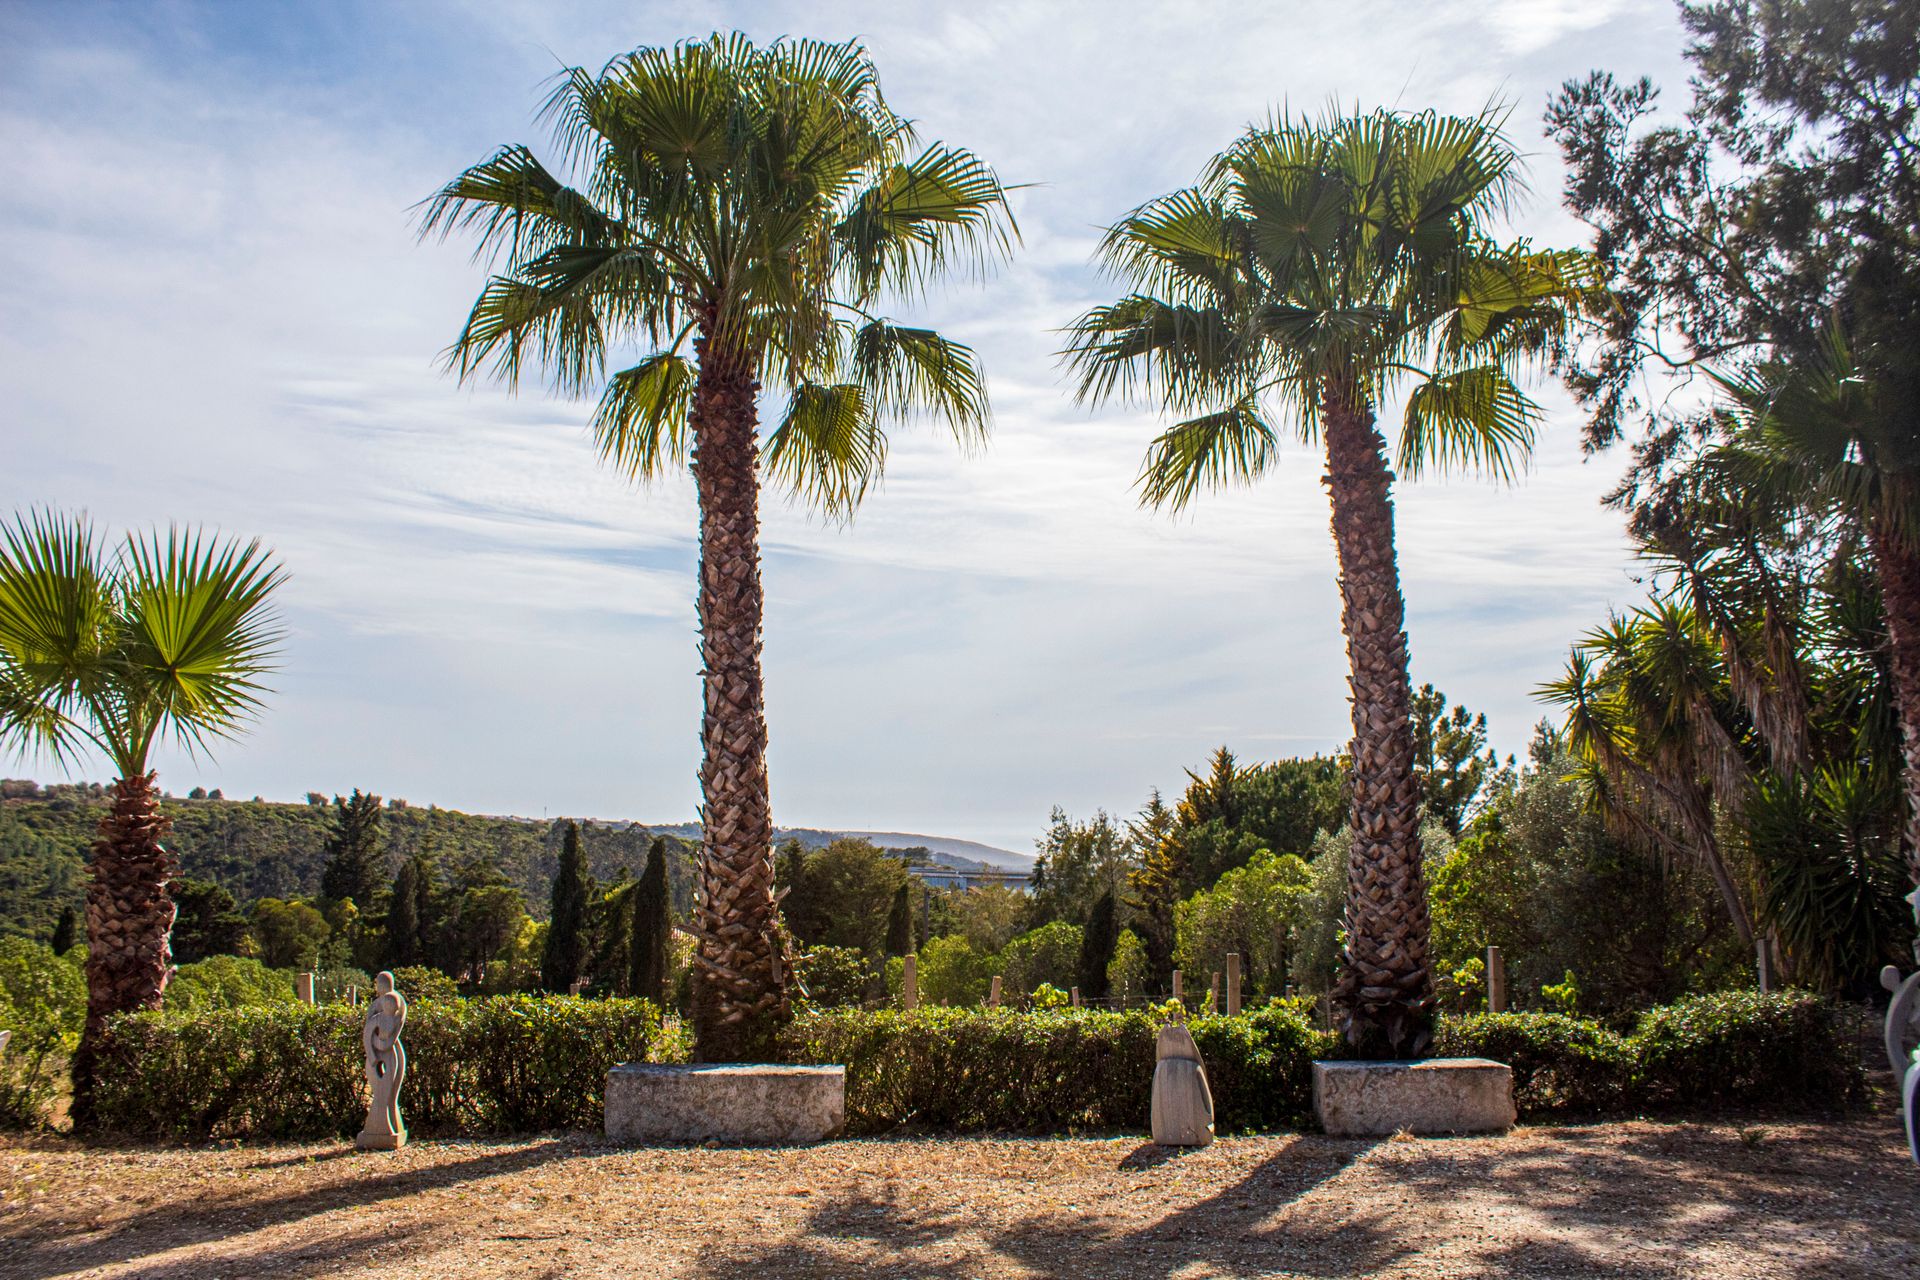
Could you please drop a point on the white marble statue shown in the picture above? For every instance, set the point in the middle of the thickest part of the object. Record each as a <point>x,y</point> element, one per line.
<point>386,1067</point>
<point>1182,1102</point>
<point>1903,1035</point>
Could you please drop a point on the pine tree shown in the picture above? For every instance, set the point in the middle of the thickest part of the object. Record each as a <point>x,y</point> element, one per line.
<point>65,930</point>
<point>565,953</point>
<point>652,925</point>
<point>403,916</point>
<point>900,923</point>
<point>356,865</point>
<point>1156,883</point>
<point>1097,942</point>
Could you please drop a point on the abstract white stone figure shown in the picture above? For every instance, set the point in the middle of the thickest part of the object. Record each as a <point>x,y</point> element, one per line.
<point>1903,1034</point>
<point>386,1067</point>
<point>1182,1102</point>
<point>4,1037</point>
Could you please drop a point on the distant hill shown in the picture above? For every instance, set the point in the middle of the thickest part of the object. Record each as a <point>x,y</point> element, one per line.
<point>962,855</point>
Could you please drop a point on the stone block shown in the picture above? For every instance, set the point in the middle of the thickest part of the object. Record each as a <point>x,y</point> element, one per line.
<point>1429,1096</point>
<point>737,1103</point>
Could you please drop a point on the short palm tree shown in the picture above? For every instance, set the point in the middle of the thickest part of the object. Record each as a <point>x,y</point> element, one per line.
<point>739,213</point>
<point>1317,269</point>
<point>165,638</point>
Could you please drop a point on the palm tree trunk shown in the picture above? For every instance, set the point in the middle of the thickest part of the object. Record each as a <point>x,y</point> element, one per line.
<point>1384,996</point>
<point>1898,568</point>
<point>740,974</point>
<point>129,919</point>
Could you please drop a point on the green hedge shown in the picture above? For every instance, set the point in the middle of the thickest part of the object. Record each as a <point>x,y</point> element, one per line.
<point>958,1070</point>
<point>499,1064</point>
<point>506,1064</point>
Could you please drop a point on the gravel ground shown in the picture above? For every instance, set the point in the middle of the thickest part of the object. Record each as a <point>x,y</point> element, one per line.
<point>1636,1201</point>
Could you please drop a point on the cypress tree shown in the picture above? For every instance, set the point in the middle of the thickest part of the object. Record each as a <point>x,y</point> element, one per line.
<point>566,947</point>
<point>65,930</point>
<point>652,922</point>
<point>900,923</point>
<point>356,868</point>
<point>1156,884</point>
<point>1097,942</point>
<point>403,916</point>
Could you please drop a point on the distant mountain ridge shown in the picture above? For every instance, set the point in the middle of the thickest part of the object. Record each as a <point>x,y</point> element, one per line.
<point>946,851</point>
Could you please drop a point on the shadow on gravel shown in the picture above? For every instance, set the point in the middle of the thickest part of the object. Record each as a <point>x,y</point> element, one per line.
<point>75,1247</point>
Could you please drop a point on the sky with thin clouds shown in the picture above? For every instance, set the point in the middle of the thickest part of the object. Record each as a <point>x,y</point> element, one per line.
<point>214,310</point>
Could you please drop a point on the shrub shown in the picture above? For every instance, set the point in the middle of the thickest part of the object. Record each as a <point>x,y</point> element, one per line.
<point>1745,1051</point>
<point>970,1069</point>
<point>835,976</point>
<point>43,1000</point>
<point>418,982</point>
<point>226,982</point>
<point>952,972</point>
<point>1562,1065</point>
<point>492,1065</point>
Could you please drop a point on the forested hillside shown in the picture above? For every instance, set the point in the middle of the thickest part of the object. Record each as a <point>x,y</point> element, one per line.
<point>259,849</point>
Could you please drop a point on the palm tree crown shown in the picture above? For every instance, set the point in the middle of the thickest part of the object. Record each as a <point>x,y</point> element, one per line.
<point>750,203</point>
<point>1340,259</point>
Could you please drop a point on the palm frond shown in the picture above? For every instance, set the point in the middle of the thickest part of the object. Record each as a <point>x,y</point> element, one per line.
<point>906,371</point>
<point>919,217</point>
<point>1475,418</point>
<point>57,632</point>
<point>1213,451</point>
<point>640,425</point>
<point>827,449</point>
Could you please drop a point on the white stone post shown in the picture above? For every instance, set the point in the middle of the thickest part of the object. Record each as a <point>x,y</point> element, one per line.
<point>303,988</point>
<point>1233,983</point>
<point>1176,985</point>
<point>1076,997</point>
<point>993,993</point>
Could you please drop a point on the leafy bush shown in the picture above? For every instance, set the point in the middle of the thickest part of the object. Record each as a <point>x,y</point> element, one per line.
<point>835,976</point>
<point>952,972</point>
<point>418,982</point>
<point>43,1001</point>
<point>1562,1065</point>
<point>972,1069</point>
<point>226,982</point>
<point>493,1065</point>
<point>1743,1050</point>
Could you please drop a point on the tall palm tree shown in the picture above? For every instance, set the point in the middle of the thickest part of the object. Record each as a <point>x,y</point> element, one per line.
<point>1316,270</point>
<point>160,639</point>
<point>739,213</point>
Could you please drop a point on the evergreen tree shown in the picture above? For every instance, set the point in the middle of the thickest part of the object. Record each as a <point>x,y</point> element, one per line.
<point>356,865</point>
<point>900,923</point>
<point>652,924</point>
<point>565,953</point>
<point>1156,885</point>
<point>65,930</point>
<point>403,916</point>
<point>1097,942</point>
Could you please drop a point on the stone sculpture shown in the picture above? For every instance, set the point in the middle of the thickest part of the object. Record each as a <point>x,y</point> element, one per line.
<point>1182,1102</point>
<point>4,1037</point>
<point>1903,1035</point>
<point>386,1067</point>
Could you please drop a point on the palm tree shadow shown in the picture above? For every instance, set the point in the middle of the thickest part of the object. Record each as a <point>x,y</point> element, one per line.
<point>176,1225</point>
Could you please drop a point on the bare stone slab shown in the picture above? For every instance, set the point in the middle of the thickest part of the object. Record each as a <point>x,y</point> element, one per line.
<point>1433,1095</point>
<point>745,1102</point>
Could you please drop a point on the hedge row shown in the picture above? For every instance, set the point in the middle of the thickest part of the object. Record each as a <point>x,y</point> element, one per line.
<point>957,1070</point>
<point>507,1064</point>
<point>498,1064</point>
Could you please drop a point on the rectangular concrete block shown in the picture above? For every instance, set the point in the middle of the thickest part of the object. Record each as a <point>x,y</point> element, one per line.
<point>1430,1096</point>
<point>747,1103</point>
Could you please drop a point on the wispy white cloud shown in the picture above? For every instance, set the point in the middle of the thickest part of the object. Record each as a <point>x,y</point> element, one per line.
<point>215,311</point>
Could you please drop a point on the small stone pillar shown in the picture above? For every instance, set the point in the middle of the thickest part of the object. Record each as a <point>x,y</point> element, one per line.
<point>1177,993</point>
<point>1182,1102</point>
<point>1233,983</point>
<point>909,983</point>
<point>386,1067</point>
<point>1496,981</point>
<point>993,993</point>
<point>1074,995</point>
<point>303,988</point>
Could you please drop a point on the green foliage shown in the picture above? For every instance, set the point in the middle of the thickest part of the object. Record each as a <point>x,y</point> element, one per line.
<point>566,949</point>
<point>965,1070</point>
<point>900,928</point>
<point>835,976</point>
<point>1562,1065</point>
<point>226,982</point>
<point>851,893</point>
<point>652,930</point>
<point>419,983</point>
<point>1233,812</point>
<point>290,934</point>
<point>987,915</point>
<point>1450,757</point>
<point>1155,881</point>
<point>503,1064</point>
<point>1077,862</point>
<point>1255,910</point>
<point>951,972</point>
<point>356,866</point>
<point>1129,974</point>
<point>43,1001</point>
<point>1048,955</point>
<point>208,921</point>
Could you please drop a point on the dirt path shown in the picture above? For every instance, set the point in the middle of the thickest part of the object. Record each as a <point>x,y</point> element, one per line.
<point>1635,1201</point>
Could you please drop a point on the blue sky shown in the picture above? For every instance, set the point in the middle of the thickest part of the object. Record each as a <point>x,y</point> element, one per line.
<point>213,309</point>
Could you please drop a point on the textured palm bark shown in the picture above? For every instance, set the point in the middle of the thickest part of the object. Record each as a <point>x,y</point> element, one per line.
<point>129,923</point>
<point>1384,995</point>
<point>740,972</point>
<point>1899,572</point>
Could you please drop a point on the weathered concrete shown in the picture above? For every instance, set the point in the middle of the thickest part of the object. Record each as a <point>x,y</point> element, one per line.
<point>746,1103</point>
<point>1434,1095</point>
